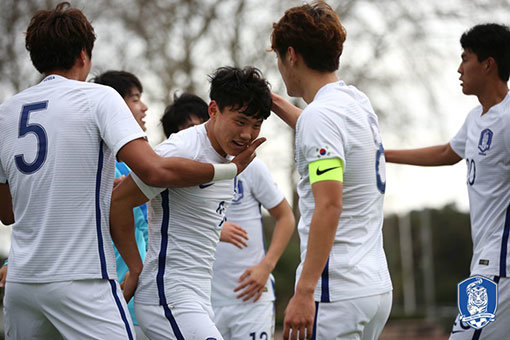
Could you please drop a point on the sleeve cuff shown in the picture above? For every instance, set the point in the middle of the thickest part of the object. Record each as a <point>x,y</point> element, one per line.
<point>126,140</point>
<point>147,190</point>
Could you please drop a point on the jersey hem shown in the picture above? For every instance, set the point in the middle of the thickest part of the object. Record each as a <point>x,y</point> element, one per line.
<point>231,302</point>
<point>353,295</point>
<point>60,278</point>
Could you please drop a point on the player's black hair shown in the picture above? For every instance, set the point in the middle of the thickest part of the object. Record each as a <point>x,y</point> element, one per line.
<point>241,89</point>
<point>179,112</point>
<point>55,38</point>
<point>123,82</point>
<point>490,40</point>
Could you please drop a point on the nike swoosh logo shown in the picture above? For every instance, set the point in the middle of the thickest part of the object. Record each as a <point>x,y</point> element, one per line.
<point>203,186</point>
<point>453,332</point>
<point>320,172</point>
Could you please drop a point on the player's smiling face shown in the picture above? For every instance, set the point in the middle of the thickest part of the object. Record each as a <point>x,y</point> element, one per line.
<point>231,131</point>
<point>137,107</point>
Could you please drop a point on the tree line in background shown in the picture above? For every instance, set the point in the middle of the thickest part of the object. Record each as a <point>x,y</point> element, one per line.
<point>172,44</point>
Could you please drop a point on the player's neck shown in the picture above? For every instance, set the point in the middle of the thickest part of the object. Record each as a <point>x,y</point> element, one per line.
<point>72,74</point>
<point>313,81</point>
<point>492,94</point>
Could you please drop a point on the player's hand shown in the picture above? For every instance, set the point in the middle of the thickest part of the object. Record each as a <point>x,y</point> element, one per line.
<point>123,283</point>
<point>118,180</point>
<point>129,285</point>
<point>299,316</point>
<point>244,158</point>
<point>253,282</point>
<point>235,234</point>
<point>3,275</point>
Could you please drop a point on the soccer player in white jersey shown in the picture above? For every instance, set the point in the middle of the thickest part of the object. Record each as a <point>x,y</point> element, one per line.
<point>130,89</point>
<point>242,285</point>
<point>343,288</point>
<point>172,300</point>
<point>57,148</point>
<point>484,141</point>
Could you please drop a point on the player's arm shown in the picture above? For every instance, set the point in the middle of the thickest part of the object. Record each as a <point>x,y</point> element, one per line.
<point>125,197</point>
<point>327,193</point>
<point>3,275</point>
<point>253,280</point>
<point>429,156</point>
<point>6,213</point>
<point>285,110</point>
<point>162,172</point>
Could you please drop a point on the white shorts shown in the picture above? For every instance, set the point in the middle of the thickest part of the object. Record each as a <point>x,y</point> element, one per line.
<point>188,320</point>
<point>247,320</point>
<point>355,319</point>
<point>82,309</point>
<point>498,329</point>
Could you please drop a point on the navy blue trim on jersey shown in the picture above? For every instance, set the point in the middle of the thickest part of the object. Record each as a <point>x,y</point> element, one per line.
<point>264,245</point>
<point>262,230</point>
<point>476,335</point>
<point>173,323</point>
<point>325,283</point>
<point>504,245</point>
<point>314,331</point>
<point>163,248</point>
<point>100,246</point>
<point>113,284</point>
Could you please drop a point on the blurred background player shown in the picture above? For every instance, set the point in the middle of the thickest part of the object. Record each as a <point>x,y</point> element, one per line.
<point>130,89</point>
<point>484,141</point>
<point>242,266</point>
<point>242,286</point>
<point>173,296</point>
<point>186,111</point>
<point>57,148</point>
<point>343,288</point>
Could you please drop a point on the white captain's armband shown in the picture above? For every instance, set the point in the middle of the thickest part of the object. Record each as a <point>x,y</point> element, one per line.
<point>331,169</point>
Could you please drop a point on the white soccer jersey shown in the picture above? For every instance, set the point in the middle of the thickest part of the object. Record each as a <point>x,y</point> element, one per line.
<point>340,123</point>
<point>184,227</point>
<point>484,141</point>
<point>57,148</point>
<point>254,186</point>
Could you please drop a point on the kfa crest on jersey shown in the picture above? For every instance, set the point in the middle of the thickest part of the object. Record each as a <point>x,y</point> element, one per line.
<point>477,299</point>
<point>238,191</point>
<point>485,141</point>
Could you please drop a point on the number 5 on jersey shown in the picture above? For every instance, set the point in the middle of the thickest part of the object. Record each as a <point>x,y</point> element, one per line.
<point>42,141</point>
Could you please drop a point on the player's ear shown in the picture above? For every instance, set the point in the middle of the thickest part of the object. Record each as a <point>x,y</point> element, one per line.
<point>490,64</point>
<point>82,58</point>
<point>291,55</point>
<point>213,109</point>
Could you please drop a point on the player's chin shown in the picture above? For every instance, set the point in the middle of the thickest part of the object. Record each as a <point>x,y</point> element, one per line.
<point>236,148</point>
